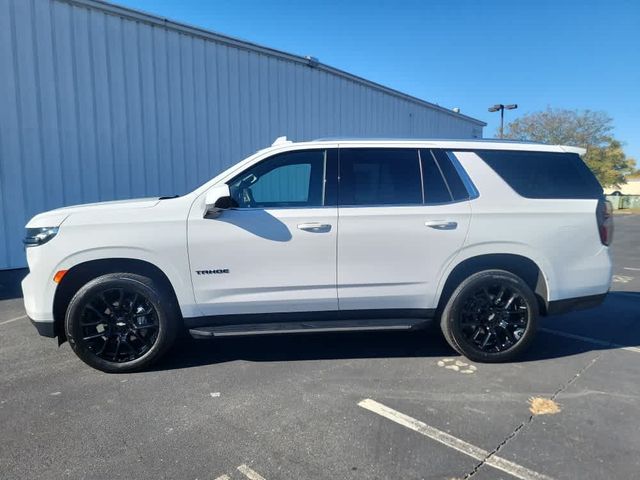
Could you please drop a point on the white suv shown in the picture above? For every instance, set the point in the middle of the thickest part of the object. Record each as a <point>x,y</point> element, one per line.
<point>330,235</point>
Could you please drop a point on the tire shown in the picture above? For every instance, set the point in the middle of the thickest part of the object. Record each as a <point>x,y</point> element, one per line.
<point>121,322</point>
<point>476,323</point>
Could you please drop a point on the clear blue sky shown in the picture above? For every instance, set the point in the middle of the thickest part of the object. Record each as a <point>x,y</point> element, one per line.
<point>456,53</point>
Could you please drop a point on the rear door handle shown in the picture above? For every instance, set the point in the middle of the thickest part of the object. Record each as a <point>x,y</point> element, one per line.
<point>315,227</point>
<point>441,224</point>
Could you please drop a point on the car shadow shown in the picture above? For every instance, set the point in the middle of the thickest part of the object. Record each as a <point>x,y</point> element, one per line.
<point>616,323</point>
<point>258,222</point>
<point>295,347</point>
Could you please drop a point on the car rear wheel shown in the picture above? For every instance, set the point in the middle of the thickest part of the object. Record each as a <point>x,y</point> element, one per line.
<point>121,322</point>
<point>490,317</point>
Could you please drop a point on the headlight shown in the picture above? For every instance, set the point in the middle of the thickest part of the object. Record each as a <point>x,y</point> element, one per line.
<point>39,236</point>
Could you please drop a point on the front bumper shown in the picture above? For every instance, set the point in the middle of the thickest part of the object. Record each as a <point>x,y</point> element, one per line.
<point>38,292</point>
<point>38,303</point>
<point>46,329</point>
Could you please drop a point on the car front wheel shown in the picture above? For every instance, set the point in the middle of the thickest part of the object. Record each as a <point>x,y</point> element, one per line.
<point>490,317</point>
<point>121,322</point>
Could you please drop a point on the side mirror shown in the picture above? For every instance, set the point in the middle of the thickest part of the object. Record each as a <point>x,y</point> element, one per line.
<point>217,200</point>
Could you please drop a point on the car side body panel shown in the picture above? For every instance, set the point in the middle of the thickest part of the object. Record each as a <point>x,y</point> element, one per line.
<point>560,236</point>
<point>390,257</point>
<point>155,234</point>
<point>263,261</point>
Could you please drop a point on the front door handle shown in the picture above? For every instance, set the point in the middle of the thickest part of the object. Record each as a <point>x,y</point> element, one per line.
<point>315,227</point>
<point>441,224</point>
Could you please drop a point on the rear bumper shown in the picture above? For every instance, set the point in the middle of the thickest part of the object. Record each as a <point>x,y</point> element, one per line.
<point>557,307</point>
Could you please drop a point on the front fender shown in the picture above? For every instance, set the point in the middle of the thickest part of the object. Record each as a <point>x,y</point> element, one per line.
<point>178,275</point>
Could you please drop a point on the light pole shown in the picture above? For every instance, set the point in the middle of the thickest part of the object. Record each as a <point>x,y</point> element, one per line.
<point>502,108</point>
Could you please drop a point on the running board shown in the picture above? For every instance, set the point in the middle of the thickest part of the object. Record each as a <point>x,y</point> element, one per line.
<point>317,326</point>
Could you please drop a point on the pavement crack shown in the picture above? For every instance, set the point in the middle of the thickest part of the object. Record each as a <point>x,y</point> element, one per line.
<point>497,449</point>
<point>526,422</point>
<point>575,377</point>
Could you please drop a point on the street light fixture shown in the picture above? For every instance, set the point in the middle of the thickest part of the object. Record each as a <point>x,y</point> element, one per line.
<point>502,108</point>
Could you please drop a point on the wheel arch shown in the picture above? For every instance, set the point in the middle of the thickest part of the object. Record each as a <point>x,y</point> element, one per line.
<point>520,265</point>
<point>80,274</point>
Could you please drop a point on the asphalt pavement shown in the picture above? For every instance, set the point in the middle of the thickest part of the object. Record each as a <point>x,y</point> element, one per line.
<point>334,406</point>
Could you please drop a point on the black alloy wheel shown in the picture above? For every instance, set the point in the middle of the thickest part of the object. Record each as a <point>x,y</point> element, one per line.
<point>490,317</point>
<point>494,317</point>
<point>121,322</point>
<point>119,325</point>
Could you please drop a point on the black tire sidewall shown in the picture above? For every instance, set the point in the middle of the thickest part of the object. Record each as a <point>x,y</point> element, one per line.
<point>451,314</point>
<point>165,311</point>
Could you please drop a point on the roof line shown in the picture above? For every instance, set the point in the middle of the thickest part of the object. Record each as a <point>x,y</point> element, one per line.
<point>455,144</point>
<point>424,139</point>
<point>152,19</point>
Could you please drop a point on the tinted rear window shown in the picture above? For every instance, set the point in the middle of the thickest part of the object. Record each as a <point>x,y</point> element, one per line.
<point>379,176</point>
<point>544,174</point>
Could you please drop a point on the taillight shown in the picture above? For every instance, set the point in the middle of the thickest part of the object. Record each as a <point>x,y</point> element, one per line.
<point>604,217</point>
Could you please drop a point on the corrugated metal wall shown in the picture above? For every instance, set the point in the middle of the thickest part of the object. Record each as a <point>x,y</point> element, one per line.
<point>100,103</point>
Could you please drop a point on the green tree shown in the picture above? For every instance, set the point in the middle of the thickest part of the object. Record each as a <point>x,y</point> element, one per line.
<point>588,129</point>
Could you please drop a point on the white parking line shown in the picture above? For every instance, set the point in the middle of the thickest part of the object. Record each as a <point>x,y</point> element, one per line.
<point>632,269</point>
<point>13,319</point>
<point>595,341</point>
<point>223,477</point>
<point>250,474</point>
<point>478,453</point>
<point>621,279</point>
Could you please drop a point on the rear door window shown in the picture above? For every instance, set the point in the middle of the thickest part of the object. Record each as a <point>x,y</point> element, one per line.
<point>379,176</point>
<point>544,174</point>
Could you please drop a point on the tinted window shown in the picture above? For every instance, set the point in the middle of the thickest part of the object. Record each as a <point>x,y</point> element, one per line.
<point>293,179</point>
<point>435,188</point>
<point>544,174</point>
<point>379,176</point>
<point>458,190</point>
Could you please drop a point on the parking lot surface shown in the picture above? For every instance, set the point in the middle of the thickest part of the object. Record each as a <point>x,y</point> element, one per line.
<point>357,406</point>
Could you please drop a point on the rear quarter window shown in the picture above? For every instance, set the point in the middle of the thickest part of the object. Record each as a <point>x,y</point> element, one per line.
<point>455,183</point>
<point>544,174</point>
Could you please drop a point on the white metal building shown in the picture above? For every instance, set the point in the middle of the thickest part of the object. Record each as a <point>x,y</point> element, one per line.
<point>99,102</point>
